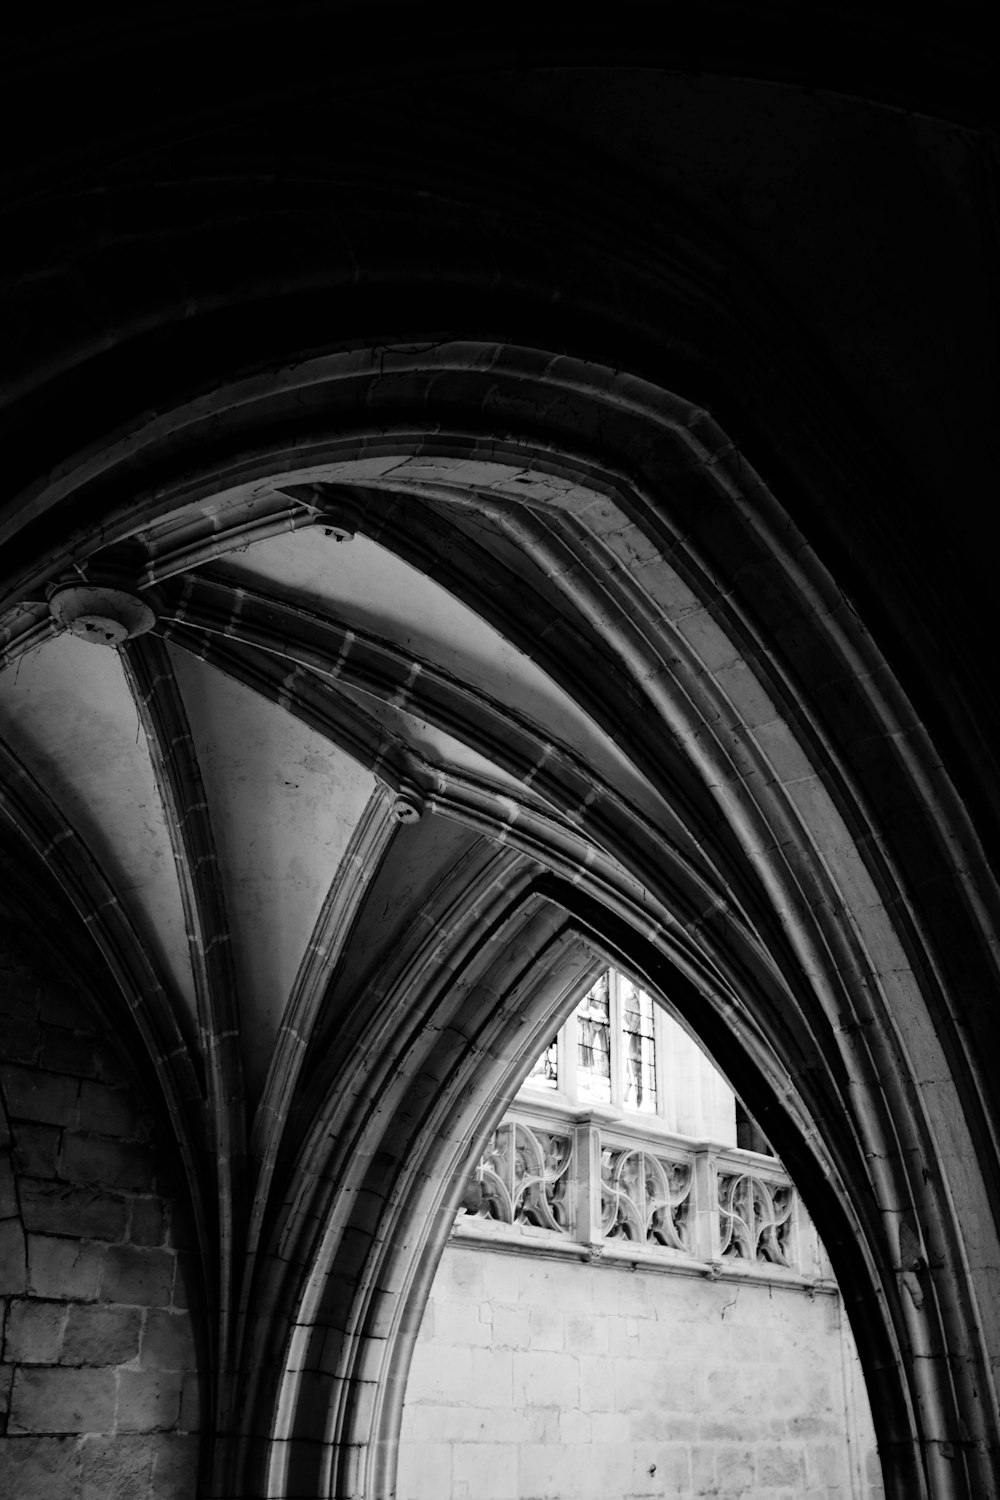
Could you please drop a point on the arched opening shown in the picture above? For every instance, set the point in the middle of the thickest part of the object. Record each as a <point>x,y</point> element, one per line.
<point>736,863</point>
<point>582,680</point>
<point>632,1297</point>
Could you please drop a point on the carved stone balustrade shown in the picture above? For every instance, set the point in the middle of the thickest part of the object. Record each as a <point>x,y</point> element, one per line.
<point>594,1185</point>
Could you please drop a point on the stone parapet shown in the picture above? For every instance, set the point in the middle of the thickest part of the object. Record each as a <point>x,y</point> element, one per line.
<point>592,1184</point>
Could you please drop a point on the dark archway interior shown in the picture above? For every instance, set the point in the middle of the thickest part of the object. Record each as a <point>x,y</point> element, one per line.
<point>478,506</point>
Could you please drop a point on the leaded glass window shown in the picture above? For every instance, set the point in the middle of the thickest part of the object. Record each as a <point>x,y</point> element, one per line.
<point>638,1047</point>
<point>545,1072</point>
<point>593,1031</point>
<point>620,1048</point>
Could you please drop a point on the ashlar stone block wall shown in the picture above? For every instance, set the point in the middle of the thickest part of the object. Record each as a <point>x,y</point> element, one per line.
<point>99,1391</point>
<point>542,1379</point>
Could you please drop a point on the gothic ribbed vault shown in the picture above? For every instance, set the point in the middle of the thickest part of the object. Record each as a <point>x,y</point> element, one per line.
<point>421,728</point>
<point>514,569</point>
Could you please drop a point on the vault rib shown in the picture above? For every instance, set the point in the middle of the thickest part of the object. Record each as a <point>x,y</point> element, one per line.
<point>158,701</point>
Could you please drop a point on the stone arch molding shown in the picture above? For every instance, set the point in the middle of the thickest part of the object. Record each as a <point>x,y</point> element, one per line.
<point>785,872</point>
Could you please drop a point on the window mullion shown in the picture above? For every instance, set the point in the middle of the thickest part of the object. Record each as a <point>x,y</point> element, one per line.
<point>617,1062</point>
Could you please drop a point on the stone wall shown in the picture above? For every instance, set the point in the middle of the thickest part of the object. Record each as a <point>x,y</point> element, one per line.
<point>540,1379</point>
<point>99,1396</point>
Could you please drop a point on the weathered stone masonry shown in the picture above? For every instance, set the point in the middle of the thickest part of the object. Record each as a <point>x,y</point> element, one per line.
<point>98,1382</point>
<point>549,1379</point>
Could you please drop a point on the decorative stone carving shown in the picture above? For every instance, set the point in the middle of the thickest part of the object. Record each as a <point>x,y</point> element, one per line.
<point>523,1177</point>
<point>101,616</point>
<point>604,1189</point>
<point>645,1198</point>
<point>755,1218</point>
<point>409,803</point>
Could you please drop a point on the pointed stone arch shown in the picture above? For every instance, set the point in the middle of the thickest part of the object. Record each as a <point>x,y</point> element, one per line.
<point>804,931</point>
<point>816,883</point>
